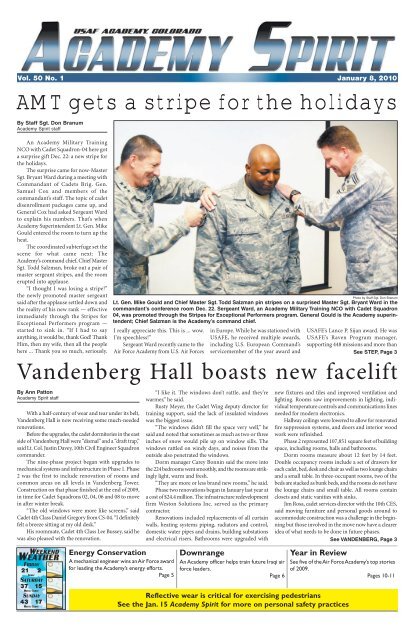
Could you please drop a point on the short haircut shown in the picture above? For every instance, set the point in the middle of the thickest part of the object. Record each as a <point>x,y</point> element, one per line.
<point>339,137</point>
<point>139,146</point>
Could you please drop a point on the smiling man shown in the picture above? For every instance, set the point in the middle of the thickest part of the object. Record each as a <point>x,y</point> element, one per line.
<point>138,186</point>
<point>249,243</point>
<point>364,210</point>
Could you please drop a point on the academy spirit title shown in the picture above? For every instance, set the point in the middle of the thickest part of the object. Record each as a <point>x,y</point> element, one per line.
<point>181,50</point>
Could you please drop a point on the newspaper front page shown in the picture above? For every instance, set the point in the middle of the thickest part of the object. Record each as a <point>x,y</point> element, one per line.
<point>205,402</point>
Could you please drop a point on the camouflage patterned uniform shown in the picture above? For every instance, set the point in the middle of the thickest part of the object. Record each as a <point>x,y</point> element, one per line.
<point>242,251</point>
<point>364,210</point>
<point>135,236</point>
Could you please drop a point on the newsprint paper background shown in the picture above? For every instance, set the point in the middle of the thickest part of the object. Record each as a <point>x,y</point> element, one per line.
<point>187,464</point>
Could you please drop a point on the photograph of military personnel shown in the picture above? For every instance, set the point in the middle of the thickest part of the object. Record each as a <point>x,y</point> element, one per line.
<point>364,210</point>
<point>249,243</point>
<point>138,185</point>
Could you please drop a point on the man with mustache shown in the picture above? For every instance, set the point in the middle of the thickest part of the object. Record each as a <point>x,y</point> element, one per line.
<point>138,186</point>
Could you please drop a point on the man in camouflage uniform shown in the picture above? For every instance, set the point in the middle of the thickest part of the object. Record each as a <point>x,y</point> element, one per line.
<point>364,211</point>
<point>138,186</point>
<point>249,243</point>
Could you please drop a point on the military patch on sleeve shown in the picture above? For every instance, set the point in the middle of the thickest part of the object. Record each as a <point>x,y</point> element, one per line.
<point>351,181</point>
